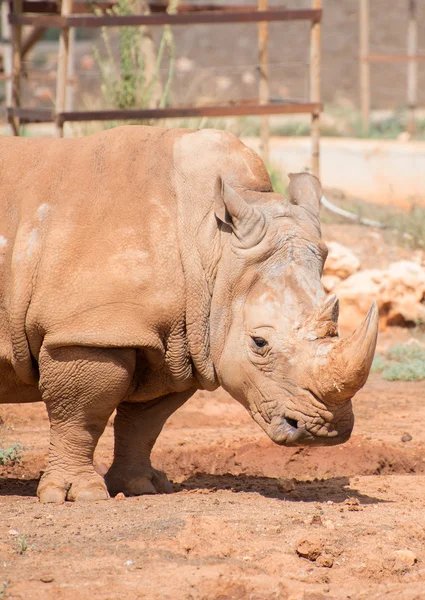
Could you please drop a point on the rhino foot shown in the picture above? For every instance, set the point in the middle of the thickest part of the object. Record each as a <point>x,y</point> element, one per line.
<point>55,488</point>
<point>145,481</point>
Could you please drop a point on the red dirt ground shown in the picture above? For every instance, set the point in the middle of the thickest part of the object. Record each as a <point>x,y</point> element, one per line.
<point>242,505</point>
<point>240,509</point>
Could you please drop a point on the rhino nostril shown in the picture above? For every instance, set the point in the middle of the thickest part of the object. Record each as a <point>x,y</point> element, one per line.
<point>292,422</point>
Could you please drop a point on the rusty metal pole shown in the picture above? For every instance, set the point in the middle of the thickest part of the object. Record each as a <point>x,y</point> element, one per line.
<point>364,65</point>
<point>62,71</point>
<point>412,66</point>
<point>315,51</point>
<point>263,55</point>
<point>15,100</point>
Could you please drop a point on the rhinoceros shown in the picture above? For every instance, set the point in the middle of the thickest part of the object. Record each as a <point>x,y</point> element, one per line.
<point>141,264</point>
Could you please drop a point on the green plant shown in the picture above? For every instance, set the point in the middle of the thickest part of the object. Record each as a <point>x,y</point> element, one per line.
<point>131,82</point>
<point>22,544</point>
<point>401,362</point>
<point>12,454</point>
<point>3,587</point>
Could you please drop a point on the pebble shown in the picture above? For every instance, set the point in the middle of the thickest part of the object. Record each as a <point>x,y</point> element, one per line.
<point>309,548</point>
<point>316,520</point>
<point>325,560</point>
<point>13,532</point>
<point>406,437</point>
<point>404,558</point>
<point>120,496</point>
<point>47,578</point>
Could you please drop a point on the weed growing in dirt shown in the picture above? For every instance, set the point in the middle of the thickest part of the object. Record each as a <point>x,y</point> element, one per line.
<point>3,587</point>
<point>401,362</point>
<point>11,455</point>
<point>133,80</point>
<point>22,544</point>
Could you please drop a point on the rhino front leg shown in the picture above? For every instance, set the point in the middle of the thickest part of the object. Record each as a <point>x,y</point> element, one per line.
<point>137,426</point>
<point>81,387</point>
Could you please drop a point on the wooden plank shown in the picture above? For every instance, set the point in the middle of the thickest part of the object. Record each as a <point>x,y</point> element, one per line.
<point>63,62</point>
<point>6,44</point>
<point>315,55</point>
<point>201,17</point>
<point>394,58</point>
<point>412,67</point>
<point>230,110</point>
<point>32,38</point>
<point>31,115</point>
<point>364,65</point>
<point>79,8</point>
<point>52,7</point>
<point>264,92</point>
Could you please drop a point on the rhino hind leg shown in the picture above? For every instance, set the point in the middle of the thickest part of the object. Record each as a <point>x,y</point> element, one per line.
<point>81,387</point>
<point>137,426</point>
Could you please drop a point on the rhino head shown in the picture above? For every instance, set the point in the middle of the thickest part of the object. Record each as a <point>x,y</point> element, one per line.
<point>274,335</point>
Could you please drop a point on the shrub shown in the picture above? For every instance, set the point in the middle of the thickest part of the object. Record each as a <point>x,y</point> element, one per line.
<point>12,454</point>
<point>401,362</point>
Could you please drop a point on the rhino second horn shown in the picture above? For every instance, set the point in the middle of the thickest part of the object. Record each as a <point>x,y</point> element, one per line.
<point>324,322</point>
<point>349,360</point>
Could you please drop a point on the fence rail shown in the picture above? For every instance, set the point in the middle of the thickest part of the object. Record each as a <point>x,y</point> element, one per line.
<point>42,14</point>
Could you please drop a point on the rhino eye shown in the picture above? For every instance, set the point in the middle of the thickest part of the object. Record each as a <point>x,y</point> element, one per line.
<point>259,342</point>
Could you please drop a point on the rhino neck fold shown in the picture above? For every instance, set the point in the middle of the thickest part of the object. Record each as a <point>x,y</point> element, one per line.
<point>200,252</point>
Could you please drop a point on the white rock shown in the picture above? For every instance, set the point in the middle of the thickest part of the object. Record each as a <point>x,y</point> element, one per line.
<point>341,261</point>
<point>357,293</point>
<point>330,281</point>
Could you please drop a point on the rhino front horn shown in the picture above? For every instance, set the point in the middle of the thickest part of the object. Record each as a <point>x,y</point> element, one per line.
<point>349,361</point>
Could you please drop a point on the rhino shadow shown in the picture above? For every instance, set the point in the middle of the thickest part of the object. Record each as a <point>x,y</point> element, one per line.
<point>319,490</point>
<point>10,486</point>
<point>334,489</point>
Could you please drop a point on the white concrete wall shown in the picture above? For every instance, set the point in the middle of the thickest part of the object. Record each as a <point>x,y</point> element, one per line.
<point>381,171</point>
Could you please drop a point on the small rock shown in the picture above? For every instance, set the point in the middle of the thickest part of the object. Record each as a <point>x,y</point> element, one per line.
<point>406,437</point>
<point>341,261</point>
<point>353,504</point>
<point>119,496</point>
<point>13,532</point>
<point>403,559</point>
<point>129,562</point>
<point>47,578</point>
<point>325,560</point>
<point>316,520</point>
<point>286,486</point>
<point>309,548</point>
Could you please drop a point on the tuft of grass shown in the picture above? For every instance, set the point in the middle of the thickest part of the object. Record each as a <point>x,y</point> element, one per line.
<point>11,455</point>
<point>3,587</point>
<point>22,544</point>
<point>401,362</point>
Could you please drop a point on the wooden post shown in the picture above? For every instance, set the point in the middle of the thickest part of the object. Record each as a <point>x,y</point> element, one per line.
<point>7,50</point>
<point>315,51</point>
<point>263,54</point>
<point>62,71</point>
<point>412,66</point>
<point>70,88</point>
<point>15,99</point>
<point>364,66</point>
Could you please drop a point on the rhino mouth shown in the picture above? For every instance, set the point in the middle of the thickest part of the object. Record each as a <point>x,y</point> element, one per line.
<point>287,431</point>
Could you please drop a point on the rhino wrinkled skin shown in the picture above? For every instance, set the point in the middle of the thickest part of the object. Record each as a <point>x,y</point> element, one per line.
<point>141,264</point>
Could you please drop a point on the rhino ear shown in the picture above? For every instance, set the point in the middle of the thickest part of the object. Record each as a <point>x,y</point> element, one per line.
<point>247,222</point>
<point>305,190</point>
